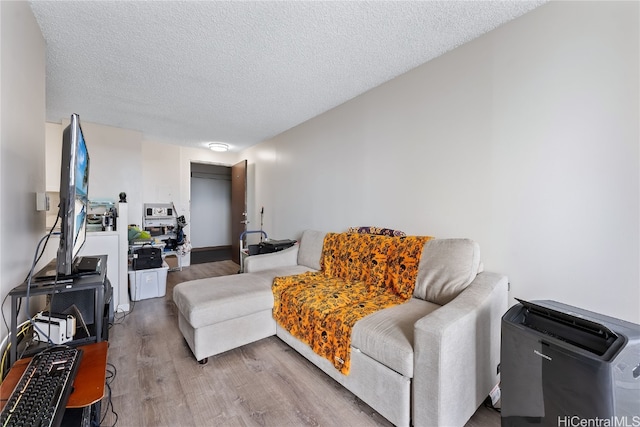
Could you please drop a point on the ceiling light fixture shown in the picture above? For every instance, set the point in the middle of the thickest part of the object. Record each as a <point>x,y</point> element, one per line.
<point>219,147</point>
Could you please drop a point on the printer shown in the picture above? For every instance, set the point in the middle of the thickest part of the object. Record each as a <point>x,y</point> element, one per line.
<point>564,366</point>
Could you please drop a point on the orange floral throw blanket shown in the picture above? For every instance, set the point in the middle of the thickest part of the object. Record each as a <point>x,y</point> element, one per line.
<point>360,274</point>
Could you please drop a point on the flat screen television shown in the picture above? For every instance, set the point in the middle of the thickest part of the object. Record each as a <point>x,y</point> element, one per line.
<point>74,201</point>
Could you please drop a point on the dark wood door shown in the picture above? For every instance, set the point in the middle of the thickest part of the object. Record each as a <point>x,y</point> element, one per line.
<point>238,206</point>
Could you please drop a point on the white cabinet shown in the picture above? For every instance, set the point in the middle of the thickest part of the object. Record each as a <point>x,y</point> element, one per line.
<point>115,244</point>
<point>106,243</point>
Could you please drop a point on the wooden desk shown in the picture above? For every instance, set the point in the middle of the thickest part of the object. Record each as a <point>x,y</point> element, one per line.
<point>88,386</point>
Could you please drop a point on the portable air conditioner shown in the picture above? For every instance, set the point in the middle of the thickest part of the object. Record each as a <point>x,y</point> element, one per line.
<point>564,366</point>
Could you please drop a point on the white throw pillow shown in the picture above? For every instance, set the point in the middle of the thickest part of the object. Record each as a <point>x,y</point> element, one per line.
<point>311,248</point>
<point>447,267</point>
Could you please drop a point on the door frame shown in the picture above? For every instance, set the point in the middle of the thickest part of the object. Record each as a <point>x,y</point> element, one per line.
<point>239,215</point>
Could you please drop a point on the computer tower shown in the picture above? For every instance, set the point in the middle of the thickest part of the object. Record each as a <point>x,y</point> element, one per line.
<point>84,301</point>
<point>564,366</point>
<point>109,311</point>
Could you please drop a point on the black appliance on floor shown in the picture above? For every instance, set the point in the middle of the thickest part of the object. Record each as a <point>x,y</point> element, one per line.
<point>564,366</point>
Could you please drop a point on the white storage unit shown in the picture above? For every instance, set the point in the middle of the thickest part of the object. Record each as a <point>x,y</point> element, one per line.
<point>161,221</point>
<point>149,283</point>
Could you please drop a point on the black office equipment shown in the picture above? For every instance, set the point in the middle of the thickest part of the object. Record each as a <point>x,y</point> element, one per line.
<point>562,365</point>
<point>147,257</point>
<point>270,246</point>
<point>87,265</point>
<point>41,395</point>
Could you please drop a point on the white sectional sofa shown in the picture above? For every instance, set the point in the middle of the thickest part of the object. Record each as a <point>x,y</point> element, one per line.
<point>421,363</point>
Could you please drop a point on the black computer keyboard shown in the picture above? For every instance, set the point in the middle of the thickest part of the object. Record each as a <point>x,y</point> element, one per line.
<point>41,395</point>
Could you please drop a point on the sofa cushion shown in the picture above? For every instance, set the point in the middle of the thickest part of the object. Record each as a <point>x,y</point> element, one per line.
<point>310,250</point>
<point>290,270</point>
<point>321,311</point>
<point>359,257</point>
<point>403,262</point>
<point>447,266</point>
<point>215,299</point>
<point>302,303</point>
<point>387,335</point>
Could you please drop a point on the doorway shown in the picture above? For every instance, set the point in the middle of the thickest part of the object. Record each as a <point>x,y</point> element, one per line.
<point>210,222</point>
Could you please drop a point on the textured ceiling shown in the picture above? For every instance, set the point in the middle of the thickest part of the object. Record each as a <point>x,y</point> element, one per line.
<point>190,72</point>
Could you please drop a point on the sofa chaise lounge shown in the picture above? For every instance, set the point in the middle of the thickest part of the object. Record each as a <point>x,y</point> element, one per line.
<point>428,361</point>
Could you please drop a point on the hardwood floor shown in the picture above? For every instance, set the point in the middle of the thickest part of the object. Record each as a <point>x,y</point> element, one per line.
<point>210,254</point>
<point>159,383</point>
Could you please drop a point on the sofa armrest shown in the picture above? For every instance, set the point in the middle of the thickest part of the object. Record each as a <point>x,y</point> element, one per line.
<point>457,352</point>
<point>283,258</point>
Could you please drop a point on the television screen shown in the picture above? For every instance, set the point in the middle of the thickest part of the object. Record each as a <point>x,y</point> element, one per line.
<point>74,191</point>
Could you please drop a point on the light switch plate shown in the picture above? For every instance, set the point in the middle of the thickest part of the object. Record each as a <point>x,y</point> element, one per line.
<point>42,202</point>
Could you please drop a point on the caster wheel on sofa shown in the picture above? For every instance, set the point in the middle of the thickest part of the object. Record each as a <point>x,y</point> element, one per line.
<point>203,361</point>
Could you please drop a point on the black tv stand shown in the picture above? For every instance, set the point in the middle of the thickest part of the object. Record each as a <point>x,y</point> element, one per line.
<point>96,284</point>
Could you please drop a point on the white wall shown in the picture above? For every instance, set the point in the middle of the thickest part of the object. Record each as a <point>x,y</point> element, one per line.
<point>161,178</point>
<point>526,140</point>
<point>210,212</point>
<point>210,221</point>
<point>22,133</point>
<point>116,165</point>
<point>53,156</point>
